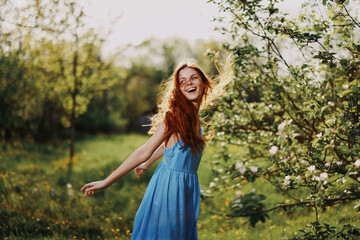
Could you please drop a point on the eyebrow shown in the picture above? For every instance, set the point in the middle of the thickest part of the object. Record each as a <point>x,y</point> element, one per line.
<point>190,76</point>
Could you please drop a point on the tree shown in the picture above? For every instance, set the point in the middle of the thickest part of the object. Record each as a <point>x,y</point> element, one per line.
<point>62,59</point>
<point>293,105</point>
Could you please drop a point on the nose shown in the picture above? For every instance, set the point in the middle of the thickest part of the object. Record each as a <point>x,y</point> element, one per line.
<point>189,82</point>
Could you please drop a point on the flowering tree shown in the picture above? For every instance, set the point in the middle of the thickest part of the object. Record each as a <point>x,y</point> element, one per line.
<point>294,105</point>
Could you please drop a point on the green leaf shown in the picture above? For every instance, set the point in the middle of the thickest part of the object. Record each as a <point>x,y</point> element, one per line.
<point>315,142</point>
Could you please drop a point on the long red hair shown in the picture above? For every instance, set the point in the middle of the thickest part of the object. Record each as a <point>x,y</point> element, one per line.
<point>179,114</point>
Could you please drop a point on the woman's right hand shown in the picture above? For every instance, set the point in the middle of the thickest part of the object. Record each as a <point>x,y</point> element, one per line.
<point>140,169</point>
<point>90,188</point>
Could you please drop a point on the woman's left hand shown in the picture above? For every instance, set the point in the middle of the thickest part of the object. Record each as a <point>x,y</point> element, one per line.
<point>140,169</point>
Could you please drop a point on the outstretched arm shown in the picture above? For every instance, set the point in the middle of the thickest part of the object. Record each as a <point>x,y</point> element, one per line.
<point>142,154</point>
<point>143,167</point>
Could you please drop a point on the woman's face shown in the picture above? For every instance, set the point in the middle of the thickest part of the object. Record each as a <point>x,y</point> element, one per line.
<point>191,84</point>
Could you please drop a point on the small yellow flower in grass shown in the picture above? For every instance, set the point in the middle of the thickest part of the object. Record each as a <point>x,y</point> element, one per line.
<point>127,231</point>
<point>213,216</point>
<point>280,213</point>
<point>287,201</point>
<point>118,230</point>
<point>227,202</point>
<point>48,228</point>
<point>120,218</point>
<point>107,219</point>
<point>75,237</point>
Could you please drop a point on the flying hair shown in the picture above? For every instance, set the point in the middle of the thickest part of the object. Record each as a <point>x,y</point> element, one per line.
<point>179,114</point>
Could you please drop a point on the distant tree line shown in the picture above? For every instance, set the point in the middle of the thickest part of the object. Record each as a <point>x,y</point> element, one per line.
<point>53,76</point>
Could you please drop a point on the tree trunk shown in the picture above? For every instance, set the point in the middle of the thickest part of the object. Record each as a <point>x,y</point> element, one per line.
<point>72,117</point>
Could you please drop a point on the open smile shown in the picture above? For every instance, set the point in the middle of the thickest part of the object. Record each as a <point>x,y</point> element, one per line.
<point>193,89</point>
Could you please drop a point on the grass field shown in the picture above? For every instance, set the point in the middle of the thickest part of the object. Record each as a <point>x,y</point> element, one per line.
<point>38,201</point>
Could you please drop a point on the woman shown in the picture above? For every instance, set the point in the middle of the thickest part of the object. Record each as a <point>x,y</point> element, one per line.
<point>170,206</point>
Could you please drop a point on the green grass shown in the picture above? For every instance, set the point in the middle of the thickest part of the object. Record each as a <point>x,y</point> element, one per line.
<point>37,201</point>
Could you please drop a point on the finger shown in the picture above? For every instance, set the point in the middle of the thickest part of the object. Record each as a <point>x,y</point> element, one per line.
<point>138,174</point>
<point>86,186</point>
<point>82,189</point>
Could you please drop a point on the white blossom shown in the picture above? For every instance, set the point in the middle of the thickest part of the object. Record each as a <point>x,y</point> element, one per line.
<point>239,193</point>
<point>242,170</point>
<point>323,176</point>
<point>254,169</point>
<point>339,163</point>
<point>327,164</point>
<point>216,179</point>
<point>284,25</point>
<point>223,144</point>
<point>338,10</point>
<point>68,185</point>
<point>273,150</point>
<point>319,135</point>
<point>275,24</point>
<point>286,183</point>
<point>239,165</point>
<point>287,180</point>
<point>212,184</point>
<point>357,163</point>
<point>312,168</point>
<point>346,86</point>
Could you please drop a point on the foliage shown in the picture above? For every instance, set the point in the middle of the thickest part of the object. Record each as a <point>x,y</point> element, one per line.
<point>324,231</point>
<point>37,202</point>
<point>53,72</point>
<point>294,104</point>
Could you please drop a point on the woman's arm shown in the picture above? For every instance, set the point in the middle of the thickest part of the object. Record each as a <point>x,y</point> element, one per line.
<point>143,167</point>
<point>142,154</point>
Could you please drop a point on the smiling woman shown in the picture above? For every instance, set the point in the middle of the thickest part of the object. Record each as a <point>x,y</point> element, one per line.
<point>170,207</point>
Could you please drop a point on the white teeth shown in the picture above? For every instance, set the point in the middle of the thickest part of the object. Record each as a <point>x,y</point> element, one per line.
<point>191,89</point>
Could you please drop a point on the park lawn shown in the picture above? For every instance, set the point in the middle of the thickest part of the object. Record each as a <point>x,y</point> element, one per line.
<point>39,201</point>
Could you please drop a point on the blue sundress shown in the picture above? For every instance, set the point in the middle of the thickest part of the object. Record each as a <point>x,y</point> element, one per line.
<point>170,206</point>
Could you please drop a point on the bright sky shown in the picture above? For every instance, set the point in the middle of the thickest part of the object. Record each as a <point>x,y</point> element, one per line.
<point>142,19</point>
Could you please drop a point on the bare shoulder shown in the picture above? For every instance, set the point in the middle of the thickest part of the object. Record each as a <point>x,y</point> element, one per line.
<point>156,139</point>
